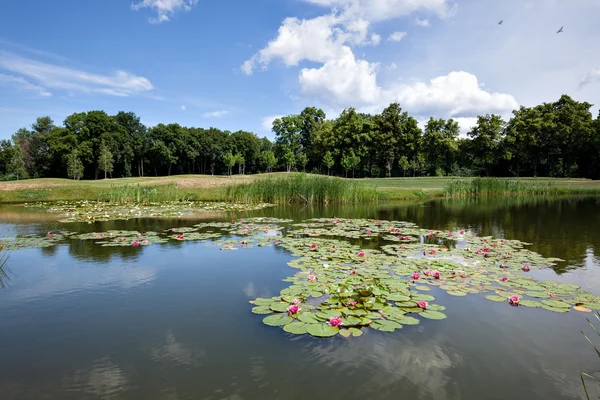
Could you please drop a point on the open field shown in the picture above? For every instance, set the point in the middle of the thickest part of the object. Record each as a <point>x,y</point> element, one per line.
<point>207,188</point>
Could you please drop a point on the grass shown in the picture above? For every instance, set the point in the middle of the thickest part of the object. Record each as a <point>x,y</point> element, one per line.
<point>499,187</point>
<point>583,374</point>
<point>214,188</point>
<point>301,188</point>
<point>144,194</point>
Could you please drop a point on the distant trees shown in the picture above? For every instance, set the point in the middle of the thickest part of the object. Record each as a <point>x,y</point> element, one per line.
<point>558,139</point>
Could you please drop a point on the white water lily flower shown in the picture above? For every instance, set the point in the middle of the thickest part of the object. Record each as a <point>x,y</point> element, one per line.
<point>325,265</point>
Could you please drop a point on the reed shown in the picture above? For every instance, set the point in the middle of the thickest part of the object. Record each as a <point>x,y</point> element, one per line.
<point>499,187</point>
<point>584,375</point>
<point>140,194</point>
<point>301,188</point>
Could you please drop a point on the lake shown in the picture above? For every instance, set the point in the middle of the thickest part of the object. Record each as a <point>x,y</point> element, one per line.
<point>172,320</point>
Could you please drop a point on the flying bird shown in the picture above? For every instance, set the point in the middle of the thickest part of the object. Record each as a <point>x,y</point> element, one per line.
<point>501,21</point>
<point>560,30</point>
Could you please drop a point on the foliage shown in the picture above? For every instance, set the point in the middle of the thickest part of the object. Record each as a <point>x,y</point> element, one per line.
<point>105,160</point>
<point>74,166</point>
<point>269,160</point>
<point>328,161</point>
<point>488,187</point>
<point>300,188</point>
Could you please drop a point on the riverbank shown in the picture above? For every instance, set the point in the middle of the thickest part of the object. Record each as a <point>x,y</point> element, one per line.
<point>214,188</point>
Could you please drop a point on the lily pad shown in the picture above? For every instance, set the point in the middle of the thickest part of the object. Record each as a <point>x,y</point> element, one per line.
<point>497,299</point>
<point>321,330</point>
<point>277,320</point>
<point>556,303</point>
<point>530,303</point>
<point>430,314</point>
<point>297,328</point>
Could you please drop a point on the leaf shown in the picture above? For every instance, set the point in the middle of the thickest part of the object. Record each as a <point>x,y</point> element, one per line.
<point>355,332</point>
<point>497,299</point>
<point>530,303</point>
<point>423,297</point>
<point>351,321</point>
<point>556,303</point>
<point>345,333</point>
<point>277,320</point>
<point>538,295</point>
<point>321,330</point>
<point>406,320</point>
<point>279,307</point>
<point>326,314</point>
<point>308,318</point>
<point>555,309</point>
<point>297,328</point>
<point>436,315</point>
<point>582,309</point>
<point>397,297</point>
<point>385,326</point>
<point>456,293</point>
<point>261,310</point>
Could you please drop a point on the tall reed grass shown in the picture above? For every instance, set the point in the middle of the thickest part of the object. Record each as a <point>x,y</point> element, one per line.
<point>140,194</point>
<point>496,187</point>
<point>301,188</point>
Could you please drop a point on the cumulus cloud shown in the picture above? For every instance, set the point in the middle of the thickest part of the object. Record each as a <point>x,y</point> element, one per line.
<point>22,84</point>
<point>215,114</point>
<point>422,22</point>
<point>165,9</point>
<point>267,122</point>
<point>396,36</point>
<point>119,83</point>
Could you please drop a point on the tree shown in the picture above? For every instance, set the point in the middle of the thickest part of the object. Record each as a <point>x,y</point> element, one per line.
<point>347,163</point>
<point>230,161</point>
<point>240,161</point>
<point>290,160</point>
<point>268,160</point>
<point>16,166</point>
<point>105,160</point>
<point>404,164</point>
<point>485,140</point>
<point>302,161</point>
<point>354,161</point>
<point>74,166</point>
<point>328,161</point>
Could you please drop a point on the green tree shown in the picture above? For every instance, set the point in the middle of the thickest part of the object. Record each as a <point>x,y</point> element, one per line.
<point>230,161</point>
<point>240,161</point>
<point>289,159</point>
<point>302,161</point>
<point>486,137</point>
<point>74,166</point>
<point>268,160</point>
<point>347,162</point>
<point>328,161</point>
<point>16,167</point>
<point>105,160</point>
<point>354,161</point>
<point>404,164</point>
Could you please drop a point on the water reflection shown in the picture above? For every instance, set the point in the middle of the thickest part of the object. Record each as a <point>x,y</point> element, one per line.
<point>105,380</point>
<point>172,350</point>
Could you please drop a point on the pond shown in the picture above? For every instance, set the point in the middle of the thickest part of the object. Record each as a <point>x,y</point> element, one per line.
<point>172,319</point>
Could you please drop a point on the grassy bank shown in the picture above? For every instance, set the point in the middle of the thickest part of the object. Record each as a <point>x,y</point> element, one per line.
<point>501,187</point>
<point>213,188</point>
<point>301,188</point>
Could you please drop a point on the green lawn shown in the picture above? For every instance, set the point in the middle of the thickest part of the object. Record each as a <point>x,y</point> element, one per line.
<point>206,187</point>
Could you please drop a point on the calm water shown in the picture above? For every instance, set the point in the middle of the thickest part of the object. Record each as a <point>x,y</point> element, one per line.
<point>173,321</point>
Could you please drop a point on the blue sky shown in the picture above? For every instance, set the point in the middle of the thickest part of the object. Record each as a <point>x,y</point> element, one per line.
<point>238,64</point>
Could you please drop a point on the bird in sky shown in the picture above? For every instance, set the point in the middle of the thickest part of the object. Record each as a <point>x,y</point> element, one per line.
<point>501,21</point>
<point>560,30</point>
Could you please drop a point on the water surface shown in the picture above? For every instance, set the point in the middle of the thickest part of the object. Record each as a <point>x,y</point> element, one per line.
<point>172,321</point>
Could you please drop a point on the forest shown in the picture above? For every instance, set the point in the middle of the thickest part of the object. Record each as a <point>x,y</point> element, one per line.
<point>558,139</point>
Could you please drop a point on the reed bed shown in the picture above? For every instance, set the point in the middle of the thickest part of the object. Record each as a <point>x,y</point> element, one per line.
<point>140,194</point>
<point>301,188</point>
<point>498,187</point>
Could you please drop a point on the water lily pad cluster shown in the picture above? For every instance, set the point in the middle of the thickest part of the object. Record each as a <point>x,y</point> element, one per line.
<point>19,242</point>
<point>115,238</point>
<point>91,211</point>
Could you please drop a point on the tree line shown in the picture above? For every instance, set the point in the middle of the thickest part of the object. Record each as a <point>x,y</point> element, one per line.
<point>559,139</point>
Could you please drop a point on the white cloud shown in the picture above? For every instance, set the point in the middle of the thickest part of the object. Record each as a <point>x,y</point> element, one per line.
<point>380,10</point>
<point>267,122</point>
<point>393,66</point>
<point>22,84</point>
<point>375,39</point>
<point>423,22</point>
<point>396,36</point>
<point>120,83</point>
<point>341,81</point>
<point>591,77</point>
<point>183,108</point>
<point>455,94</point>
<point>164,9</point>
<point>215,114</point>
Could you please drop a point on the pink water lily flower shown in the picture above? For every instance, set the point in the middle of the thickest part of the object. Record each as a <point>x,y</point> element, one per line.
<point>313,246</point>
<point>430,235</point>
<point>312,278</point>
<point>514,300</point>
<point>427,272</point>
<point>123,239</point>
<point>479,252</point>
<point>352,303</point>
<point>494,244</point>
<point>179,237</point>
<point>504,279</point>
<point>99,236</point>
<point>449,233</point>
<point>50,235</point>
<point>369,233</point>
<point>487,250</point>
<point>314,232</point>
<point>361,254</point>
<point>484,240</point>
<point>293,309</point>
<point>436,274</point>
<point>135,243</point>
<point>145,241</point>
<point>422,304</point>
<point>526,268</point>
<point>416,276</point>
<point>335,321</point>
<point>233,221</point>
<point>377,223</point>
<point>354,272</point>
<point>296,301</point>
<point>432,252</point>
<point>462,232</point>
<point>453,272</point>
<point>244,242</point>
<point>463,275</point>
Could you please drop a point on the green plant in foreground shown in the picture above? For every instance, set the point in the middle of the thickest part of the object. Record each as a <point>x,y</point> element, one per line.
<point>584,374</point>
